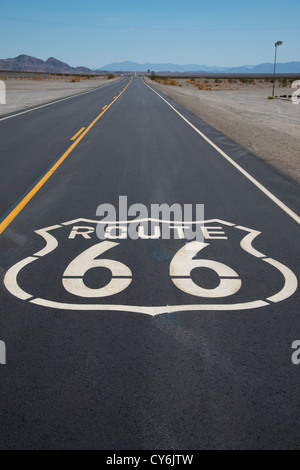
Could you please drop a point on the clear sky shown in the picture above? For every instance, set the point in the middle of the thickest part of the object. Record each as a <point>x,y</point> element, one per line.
<point>94,33</point>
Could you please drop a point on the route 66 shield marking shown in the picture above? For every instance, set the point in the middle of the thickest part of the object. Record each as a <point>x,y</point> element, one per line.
<point>79,284</point>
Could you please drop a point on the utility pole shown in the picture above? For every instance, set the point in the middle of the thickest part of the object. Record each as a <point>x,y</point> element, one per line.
<point>278,43</point>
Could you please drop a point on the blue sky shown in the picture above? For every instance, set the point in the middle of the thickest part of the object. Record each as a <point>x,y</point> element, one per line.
<point>94,33</point>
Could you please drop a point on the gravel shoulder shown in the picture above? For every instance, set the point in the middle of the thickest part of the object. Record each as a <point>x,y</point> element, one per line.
<point>268,128</point>
<point>25,93</point>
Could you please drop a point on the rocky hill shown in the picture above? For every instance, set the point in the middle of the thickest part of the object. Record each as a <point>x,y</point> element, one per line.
<point>26,63</point>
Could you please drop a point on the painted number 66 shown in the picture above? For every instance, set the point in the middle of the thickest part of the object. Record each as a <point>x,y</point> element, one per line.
<point>181,268</point>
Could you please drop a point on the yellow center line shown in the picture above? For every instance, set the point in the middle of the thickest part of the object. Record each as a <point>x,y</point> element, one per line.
<point>104,106</point>
<point>77,133</point>
<point>13,214</point>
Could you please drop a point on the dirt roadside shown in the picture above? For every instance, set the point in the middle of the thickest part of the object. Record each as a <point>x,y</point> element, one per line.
<point>25,93</point>
<point>268,128</point>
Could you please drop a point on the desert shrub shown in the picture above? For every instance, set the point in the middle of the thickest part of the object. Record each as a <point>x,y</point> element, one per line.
<point>170,81</point>
<point>203,86</point>
<point>110,76</point>
<point>284,82</point>
<point>199,85</point>
<point>247,81</point>
<point>164,81</point>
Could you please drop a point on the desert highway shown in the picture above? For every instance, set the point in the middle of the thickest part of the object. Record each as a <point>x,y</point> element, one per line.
<point>146,343</point>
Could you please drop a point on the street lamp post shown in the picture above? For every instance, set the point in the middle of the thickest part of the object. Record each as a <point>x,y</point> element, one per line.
<point>278,43</point>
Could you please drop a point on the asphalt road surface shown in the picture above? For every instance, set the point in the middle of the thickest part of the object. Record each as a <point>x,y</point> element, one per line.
<point>149,343</point>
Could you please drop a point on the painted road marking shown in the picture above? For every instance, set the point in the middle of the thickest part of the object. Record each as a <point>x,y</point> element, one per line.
<point>57,101</point>
<point>77,133</point>
<point>14,212</point>
<point>183,262</point>
<point>73,281</point>
<point>268,193</point>
<point>104,106</point>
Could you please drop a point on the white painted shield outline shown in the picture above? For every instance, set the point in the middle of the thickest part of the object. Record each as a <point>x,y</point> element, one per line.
<point>289,288</point>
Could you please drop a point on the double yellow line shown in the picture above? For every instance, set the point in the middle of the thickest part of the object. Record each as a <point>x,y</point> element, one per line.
<point>13,214</point>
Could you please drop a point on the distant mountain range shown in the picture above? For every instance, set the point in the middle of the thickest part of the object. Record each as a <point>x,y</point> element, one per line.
<point>26,63</point>
<point>288,67</point>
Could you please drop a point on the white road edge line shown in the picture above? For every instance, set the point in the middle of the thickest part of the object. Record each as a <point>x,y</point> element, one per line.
<point>57,101</point>
<point>277,201</point>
